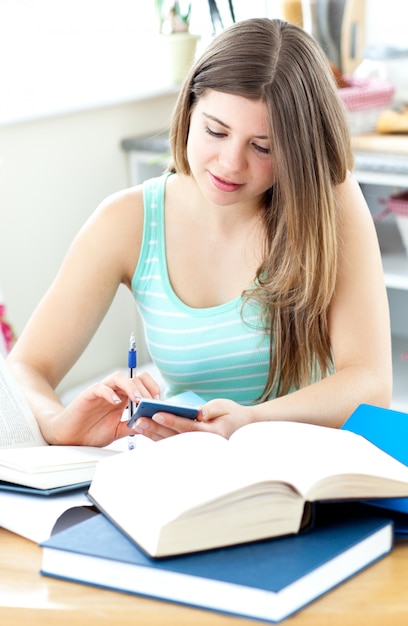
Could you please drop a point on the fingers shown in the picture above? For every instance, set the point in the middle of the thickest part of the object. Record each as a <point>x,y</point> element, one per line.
<point>163,425</point>
<point>122,430</point>
<point>174,423</point>
<point>150,386</point>
<point>114,395</point>
<point>220,416</point>
<point>148,427</point>
<point>104,405</point>
<point>215,409</point>
<point>117,387</point>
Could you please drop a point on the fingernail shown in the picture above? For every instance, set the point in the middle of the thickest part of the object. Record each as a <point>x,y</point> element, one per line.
<point>116,399</point>
<point>158,418</point>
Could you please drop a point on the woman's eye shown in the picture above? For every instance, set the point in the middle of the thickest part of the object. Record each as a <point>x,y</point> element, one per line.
<point>262,149</point>
<point>213,133</point>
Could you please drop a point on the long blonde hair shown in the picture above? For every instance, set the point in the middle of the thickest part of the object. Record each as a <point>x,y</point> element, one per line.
<point>281,65</point>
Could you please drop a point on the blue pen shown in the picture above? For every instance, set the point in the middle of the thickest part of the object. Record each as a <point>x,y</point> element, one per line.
<point>132,362</point>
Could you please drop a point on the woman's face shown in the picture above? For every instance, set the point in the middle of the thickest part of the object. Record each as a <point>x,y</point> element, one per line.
<point>229,149</point>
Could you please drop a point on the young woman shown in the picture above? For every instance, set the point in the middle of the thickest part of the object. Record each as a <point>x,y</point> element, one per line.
<point>254,261</point>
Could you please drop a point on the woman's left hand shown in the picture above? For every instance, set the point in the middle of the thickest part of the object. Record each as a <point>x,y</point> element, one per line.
<point>220,416</point>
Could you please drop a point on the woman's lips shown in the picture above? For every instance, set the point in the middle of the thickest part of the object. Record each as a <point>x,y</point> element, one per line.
<point>224,185</point>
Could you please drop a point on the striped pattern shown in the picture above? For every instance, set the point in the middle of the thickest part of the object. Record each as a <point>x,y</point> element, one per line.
<point>214,351</point>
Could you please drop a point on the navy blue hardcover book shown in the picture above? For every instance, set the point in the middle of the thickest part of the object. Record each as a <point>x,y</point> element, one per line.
<point>266,580</point>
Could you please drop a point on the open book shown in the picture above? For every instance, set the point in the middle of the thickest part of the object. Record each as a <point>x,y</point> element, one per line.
<point>25,457</point>
<point>198,491</point>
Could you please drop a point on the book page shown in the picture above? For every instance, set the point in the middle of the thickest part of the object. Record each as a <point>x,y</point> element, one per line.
<point>181,472</point>
<point>311,457</point>
<point>18,426</point>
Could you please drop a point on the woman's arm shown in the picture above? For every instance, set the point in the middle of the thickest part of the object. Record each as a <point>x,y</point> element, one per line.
<point>103,255</point>
<point>360,338</point>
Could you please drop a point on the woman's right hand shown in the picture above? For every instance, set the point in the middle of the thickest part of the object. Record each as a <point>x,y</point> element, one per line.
<point>94,417</point>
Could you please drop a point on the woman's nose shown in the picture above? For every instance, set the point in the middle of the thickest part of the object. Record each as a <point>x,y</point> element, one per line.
<point>232,156</point>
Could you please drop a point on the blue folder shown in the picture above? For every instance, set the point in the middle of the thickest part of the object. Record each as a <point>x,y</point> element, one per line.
<point>388,430</point>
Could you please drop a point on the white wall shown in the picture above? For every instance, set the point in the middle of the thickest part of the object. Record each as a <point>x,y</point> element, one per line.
<point>53,173</point>
<point>387,22</point>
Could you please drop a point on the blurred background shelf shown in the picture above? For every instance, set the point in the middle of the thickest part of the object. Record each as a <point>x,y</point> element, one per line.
<point>381,168</point>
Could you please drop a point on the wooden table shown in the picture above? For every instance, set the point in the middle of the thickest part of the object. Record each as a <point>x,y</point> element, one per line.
<point>377,596</point>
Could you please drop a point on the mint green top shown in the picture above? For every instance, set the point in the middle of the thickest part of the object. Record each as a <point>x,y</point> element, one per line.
<point>217,352</point>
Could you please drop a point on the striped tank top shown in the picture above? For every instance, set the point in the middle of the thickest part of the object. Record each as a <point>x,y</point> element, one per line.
<point>217,352</point>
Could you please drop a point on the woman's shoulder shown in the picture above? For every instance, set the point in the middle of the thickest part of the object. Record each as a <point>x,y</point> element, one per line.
<point>128,200</point>
<point>132,199</point>
<point>113,232</point>
<point>121,214</point>
<point>125,208</point>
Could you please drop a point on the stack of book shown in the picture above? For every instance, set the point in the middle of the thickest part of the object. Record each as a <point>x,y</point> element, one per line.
<point>38,483</point>
<point>266,580</point>
<point>241,526</point>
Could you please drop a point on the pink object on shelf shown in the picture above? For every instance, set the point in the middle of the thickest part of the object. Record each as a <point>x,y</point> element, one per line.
<point>364,100</point>
<point>366,93</point>
<point>6,331</point>
<point>398,204</point>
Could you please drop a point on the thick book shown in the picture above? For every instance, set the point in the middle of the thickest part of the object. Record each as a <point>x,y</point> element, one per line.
<point>266,580</point>
<point>198,491</point>
<point>25,457</point>
<point>37,518</point>
<point>388,430</point>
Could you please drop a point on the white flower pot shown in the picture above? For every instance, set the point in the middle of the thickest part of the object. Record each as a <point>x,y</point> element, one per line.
<point>178,54</point>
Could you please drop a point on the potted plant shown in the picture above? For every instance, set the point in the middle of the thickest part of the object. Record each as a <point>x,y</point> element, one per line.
<point>174,16</point>
<point>180,44</point>
<point>174,26</point>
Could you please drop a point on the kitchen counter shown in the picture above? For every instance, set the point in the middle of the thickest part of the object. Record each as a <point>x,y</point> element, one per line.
<point>374,142</point>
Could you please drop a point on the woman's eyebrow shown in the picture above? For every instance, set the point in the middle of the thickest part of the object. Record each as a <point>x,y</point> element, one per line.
<point>218,121</point>
<point>215,119</point>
